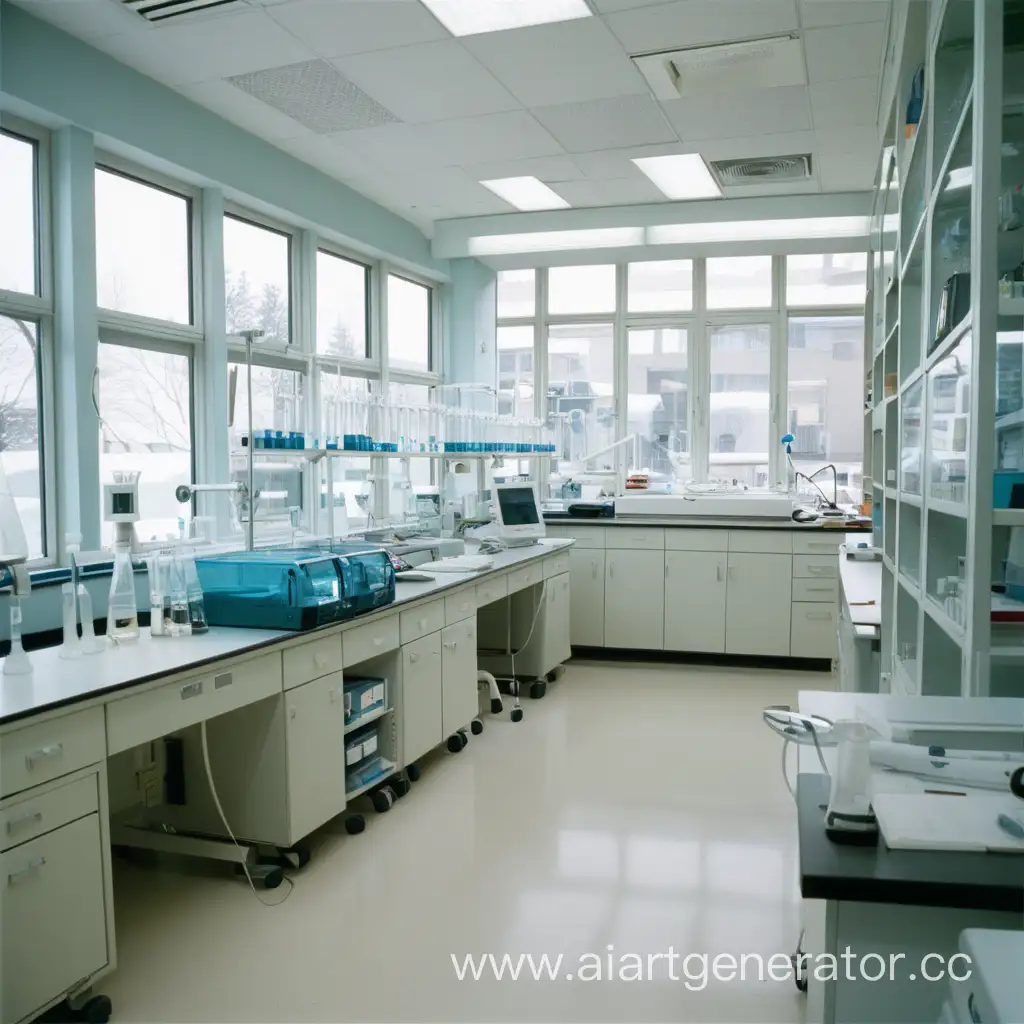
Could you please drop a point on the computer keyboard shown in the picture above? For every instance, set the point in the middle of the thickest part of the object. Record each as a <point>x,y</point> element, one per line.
<point>459,563</point>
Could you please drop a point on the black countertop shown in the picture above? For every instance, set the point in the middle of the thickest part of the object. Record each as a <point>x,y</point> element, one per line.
<point>912,878</point>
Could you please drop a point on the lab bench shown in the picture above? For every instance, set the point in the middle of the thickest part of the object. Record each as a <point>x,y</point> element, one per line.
<point>860,622</point>
<point>726,587</point>
<point>83,748</point>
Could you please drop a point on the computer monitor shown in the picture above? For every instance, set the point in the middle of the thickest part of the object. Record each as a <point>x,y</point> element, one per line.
<point>518,511</point>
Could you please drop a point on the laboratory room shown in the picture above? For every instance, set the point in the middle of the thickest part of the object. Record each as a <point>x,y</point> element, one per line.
<point>512,510</point>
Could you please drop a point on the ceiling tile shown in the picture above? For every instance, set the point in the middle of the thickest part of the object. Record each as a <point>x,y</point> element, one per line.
<point>847,172</point>
<point>697,22</point>
<point>330,155</point>
<point>606,164</point>
<point>786,144</point>
<point>857,139</point>
<point>779,188</point>
<point>428,82</point>
<point>467,140</point>
<point>336,28</point>
<point>448,187</point>
<point>196,51</point>
<point>819,13</point>
<point>566,62</point>
<point>545,168</point>
<point>606,124</point>
<point>87,19</point>
<point>605,6</point>
<point>785,109</point>
<point>845,104</point>
<point>244,110</point>
<point>850,51</point>
<point>611,192</point>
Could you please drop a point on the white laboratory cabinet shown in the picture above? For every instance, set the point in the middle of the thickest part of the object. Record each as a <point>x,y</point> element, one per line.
<point>757,617</point>
<point>634,599</point>
<point>459,703</point>
<point>587,573</point>
<point>422,688</point>
<point>695,601</point>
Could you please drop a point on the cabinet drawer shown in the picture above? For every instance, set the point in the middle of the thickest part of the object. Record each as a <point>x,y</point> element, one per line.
<point>53,929</point>
<point>556,565</point>
<point>824,591</point>
<point>818,542</point>
<point>147,716</point>
<point>646,537</point>
<point>585,536</point>
<point>696,540</point>
<point>460,606</point>
<point>815,567</point>
<point>528,576</point>
<point>45,751</point>
<point>772,542</point>
<point>312,660</point>
<point>491,590</point>
<point>815,631</point>
<point>24,819</point>
<point>365,642</point>
<point>419,621</point>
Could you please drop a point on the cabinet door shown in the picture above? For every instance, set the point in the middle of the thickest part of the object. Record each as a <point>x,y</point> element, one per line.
<point>556,626</point>
<point>586,622</point>
<point>53,924</point>
<point>634,600</point>
<point>421,697</point>
<point>459,705</point>
<point>315,716</point>
<point>695,591</point>
<point>759,592</point>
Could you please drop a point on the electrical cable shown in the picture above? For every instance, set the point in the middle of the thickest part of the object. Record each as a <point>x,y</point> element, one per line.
<point>529,637</point>
<point>835,482</point>
<point>227,827</point>
<point>785,769</point>
<point>817,747</point>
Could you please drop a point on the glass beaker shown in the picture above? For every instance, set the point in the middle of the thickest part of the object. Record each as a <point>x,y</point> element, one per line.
<point>122,611</point>
<point>194,593</point>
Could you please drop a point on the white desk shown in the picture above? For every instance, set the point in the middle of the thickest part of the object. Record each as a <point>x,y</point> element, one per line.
<point>75,739</point>
<point>860,623</point>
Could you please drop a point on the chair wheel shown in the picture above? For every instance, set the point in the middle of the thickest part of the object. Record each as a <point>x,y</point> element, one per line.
<point>538,689</point>
<point>476,727</point>
<point>400,786</point>
<point>456,742</point>
<point>272,879</point>
<point>497,706</point>
<point>354,824</point>
<point>413,772</point>
<point>517,714</point>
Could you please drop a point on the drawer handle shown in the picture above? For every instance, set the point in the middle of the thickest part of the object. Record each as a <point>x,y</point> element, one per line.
<point>451,646</point>
<point>819,590</point>
<point>378,641</point>
<point>819,616</point>
<point>320,660</point>
<point>718,573</point>
<point>820,570</point>
<point>44,754</point>
<point>413,658</point>
<point>593,569</point>
<point>32,818</point>
<point>30,868</point>
<point>336,693</point>
<point>190,690</point>
<point>225,679</point>
<point>421,623</point>
<point>820,546</point>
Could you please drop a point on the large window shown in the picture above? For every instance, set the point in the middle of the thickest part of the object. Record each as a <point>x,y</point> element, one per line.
<point>577,290</point>
<point>257,270</point>
<point>143,249</point>
<point>824,411</point>
<point>661,286</point>
<point>409,419</point>
<point>21,440</point>
<point>739,282</point>
<point>345,408</point>
<point>834,279</point>
<point>517,296</point>
<point>409,324</point>
<point>581,395</point>
<point>342,310</point>
<point>145,404</point>
<point>516,371</point>
<point>19,247</point>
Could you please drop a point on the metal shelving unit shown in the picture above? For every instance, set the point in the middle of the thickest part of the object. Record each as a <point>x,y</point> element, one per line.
<point>945,369</point>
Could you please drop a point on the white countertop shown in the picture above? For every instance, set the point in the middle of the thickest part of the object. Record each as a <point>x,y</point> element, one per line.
<point>699,522</point>
<point>55,682</point>
<point>862,583</point>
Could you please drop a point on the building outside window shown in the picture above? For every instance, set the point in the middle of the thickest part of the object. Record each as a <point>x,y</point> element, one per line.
<point>257,272</point>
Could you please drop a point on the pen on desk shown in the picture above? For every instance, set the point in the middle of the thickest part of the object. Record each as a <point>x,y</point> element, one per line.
<point>944,792</point>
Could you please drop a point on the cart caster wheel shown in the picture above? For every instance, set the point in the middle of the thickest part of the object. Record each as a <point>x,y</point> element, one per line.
<point>497,706</point>
<point>1017,783</point>
<point>97,1010</point>
<point>538,689</point>
<point>476,727</point>
<point>517,714</point>
<point>354,824</point>
<point>401,787</point>
<point>295,857</point>
<point>456,742</point>
<point>382,799</point>
<point>273,878</point>
<point>413,772</point>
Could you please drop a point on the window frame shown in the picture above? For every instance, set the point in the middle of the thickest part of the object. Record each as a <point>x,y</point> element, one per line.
<point>153,327</point>
<point>371,354</point>
<point>409,374</point>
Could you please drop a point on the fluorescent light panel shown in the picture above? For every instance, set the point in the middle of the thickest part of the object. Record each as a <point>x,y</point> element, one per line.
<point>526,193</point>
<point>471,17</point>
<point>551,241</point>
<point>684,176</point>
<point>759,230</point>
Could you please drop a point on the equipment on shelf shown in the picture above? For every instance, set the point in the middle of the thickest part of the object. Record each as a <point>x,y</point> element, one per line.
<point>121,507</point>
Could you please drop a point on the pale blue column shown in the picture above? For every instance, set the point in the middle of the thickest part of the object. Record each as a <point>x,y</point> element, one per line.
<point>77,337</point>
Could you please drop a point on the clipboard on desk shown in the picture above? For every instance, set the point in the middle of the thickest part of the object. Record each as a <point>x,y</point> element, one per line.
<point>930,821</point>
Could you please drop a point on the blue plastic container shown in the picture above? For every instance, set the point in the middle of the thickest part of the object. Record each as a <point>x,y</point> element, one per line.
<point>363,697</point>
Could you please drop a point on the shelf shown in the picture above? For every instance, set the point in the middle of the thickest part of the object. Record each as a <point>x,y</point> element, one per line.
<point>913,378</point>
<point>907,686</point>
<point>887,562</point>
<point>387,768</point>
<point>1011,307</point>
<point>910,586</point>
<point>891,493</point>
<point>367,719</point>
<point>889,336</point>
<point>1007,652</point>
<point>938,615</point>
<point>954,141</point>
<point>907,498</point>
<point>949,342</point>
<point>1008,517</point>
<point>1011,419</point>
<point>316,454</point>
<point>911,249</point>
<point>947,508</point>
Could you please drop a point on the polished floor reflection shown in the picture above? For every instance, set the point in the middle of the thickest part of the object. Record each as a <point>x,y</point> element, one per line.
<point>638,807</point>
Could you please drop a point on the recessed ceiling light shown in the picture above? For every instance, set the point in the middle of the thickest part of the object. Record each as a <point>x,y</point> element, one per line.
<point>471,17</point>
<point>527,193</point>
<point>759,230</point>
<point>685,176</point>
<point>549,241</point>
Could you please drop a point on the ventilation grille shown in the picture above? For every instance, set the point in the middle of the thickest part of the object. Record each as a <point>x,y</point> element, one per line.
<point>761,169</point>
<point>316,95</point>
<point>158,11</point>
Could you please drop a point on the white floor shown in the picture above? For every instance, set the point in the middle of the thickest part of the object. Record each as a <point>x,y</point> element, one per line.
<point>638,806</point>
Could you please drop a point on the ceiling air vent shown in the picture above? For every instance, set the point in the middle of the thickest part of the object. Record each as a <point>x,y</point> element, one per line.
<point>760,170</point>
<point>158,11</point>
